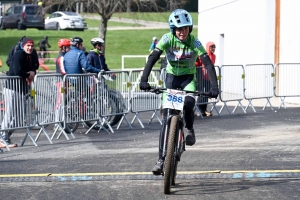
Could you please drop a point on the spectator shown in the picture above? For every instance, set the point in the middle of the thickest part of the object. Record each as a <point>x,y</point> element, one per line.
<point>75,59</point>
<point>153,44</point>
<point>23,67</point>
<point>18,46</point>
<point>204,81</point>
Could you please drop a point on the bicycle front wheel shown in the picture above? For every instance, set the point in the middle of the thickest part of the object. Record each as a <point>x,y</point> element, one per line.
<point>170,160</point>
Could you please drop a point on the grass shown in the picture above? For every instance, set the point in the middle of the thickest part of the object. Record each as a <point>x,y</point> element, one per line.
<point>95,23</point>
<point>118,43</point>
<point>148,16</point>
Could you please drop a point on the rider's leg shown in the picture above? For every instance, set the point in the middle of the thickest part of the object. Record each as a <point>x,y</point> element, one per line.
<point>189,103</point>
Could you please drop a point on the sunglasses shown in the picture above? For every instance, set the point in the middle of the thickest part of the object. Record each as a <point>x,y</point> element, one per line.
<point>213,47</point>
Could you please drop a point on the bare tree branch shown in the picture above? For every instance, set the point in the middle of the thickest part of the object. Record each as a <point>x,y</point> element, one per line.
<point>106,8</point>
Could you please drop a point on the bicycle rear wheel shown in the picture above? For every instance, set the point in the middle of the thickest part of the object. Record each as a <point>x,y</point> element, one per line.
<point>72,114</point>
<point>112,106</point>
<point>170,160</point>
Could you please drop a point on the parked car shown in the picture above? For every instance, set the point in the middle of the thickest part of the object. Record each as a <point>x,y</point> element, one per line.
<point>65,20</point>
<point>23,16</point>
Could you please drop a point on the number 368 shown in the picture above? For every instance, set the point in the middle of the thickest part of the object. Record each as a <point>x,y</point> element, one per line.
<point>174,98</point>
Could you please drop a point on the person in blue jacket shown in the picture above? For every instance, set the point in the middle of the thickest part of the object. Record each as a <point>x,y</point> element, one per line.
<point>75,59</point>
<point>96,56</point>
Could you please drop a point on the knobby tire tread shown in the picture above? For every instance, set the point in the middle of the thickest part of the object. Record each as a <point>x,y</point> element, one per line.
<point>170,157</point>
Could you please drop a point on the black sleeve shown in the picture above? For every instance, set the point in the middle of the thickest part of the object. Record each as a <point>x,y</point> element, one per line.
<point>210,69</point>
<point>17,65</point>
<point>152,59</point>
<point>9,57</point>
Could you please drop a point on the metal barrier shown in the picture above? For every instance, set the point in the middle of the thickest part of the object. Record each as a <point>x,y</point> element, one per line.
<point>204,85</point>
<point>18,107</point>
<point>259,83</point>
<point>114,98</point>
<point>287,82</point>
<point>48,103</point>
<point>142,101</point>
<point>80,100</point>
<point>232,86</point>
<point>110,97</point>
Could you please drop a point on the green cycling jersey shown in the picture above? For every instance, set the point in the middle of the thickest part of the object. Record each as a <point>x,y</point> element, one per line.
<point>181,55</point>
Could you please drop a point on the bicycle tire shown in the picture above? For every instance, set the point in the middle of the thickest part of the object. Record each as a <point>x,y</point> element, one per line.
<point>170,160</point>
<point>71,127</point>
<point>173,182</point>
<point>114,107</point>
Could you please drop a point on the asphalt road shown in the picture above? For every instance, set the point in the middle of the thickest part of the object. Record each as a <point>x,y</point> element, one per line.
<point>239,156</point>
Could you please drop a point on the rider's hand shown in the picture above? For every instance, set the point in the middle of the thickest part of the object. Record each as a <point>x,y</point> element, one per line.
<point>213,93</point>
<point>113,76</point>
<point>31,75</point>
<point>144,86</point>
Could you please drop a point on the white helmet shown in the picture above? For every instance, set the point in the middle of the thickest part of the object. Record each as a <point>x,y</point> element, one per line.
<point>96,41</point>
<point>154,38</point>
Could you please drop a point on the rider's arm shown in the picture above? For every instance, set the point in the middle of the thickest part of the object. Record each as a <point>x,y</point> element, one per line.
<point>86,65</point>
<point>103,63</point>
<point>152,59</point>
<point>60,63</point>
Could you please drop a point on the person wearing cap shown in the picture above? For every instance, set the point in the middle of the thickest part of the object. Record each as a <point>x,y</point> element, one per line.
<point>18,46</point>
<point>153,44</point>
<point>75,59</point>
<point>15,90</point>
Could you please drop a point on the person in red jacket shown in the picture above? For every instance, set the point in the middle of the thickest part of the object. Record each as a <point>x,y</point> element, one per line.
<point>204,84</point>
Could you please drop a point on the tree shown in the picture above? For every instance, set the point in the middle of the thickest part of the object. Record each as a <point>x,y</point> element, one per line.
<point>106,8</point>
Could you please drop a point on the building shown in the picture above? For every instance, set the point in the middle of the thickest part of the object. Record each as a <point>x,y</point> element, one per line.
<point>252,31</point>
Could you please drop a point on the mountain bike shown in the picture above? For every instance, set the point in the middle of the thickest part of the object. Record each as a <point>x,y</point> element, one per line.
<point>111,101</point>
<point>174,140</point>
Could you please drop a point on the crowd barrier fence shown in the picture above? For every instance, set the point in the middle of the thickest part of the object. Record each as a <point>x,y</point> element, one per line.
<point>53,99</point>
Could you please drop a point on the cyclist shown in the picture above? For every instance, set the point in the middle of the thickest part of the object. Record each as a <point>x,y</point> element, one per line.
<point>64,45</point>
<point>96,56</point>
<point>182,49</point>
<point>42,45</point>
<point>75,59</point>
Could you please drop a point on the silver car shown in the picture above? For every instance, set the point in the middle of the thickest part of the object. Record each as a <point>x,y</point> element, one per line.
<point>65,20</point>
<point>23,16</point>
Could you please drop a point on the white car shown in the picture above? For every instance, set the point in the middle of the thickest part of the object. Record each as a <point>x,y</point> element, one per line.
<point>65,20</point>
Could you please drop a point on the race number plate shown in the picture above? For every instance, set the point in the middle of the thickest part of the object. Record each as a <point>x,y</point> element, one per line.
<point>175,99</point>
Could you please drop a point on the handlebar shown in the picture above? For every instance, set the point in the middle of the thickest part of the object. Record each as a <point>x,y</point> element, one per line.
<point>158,90</point>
